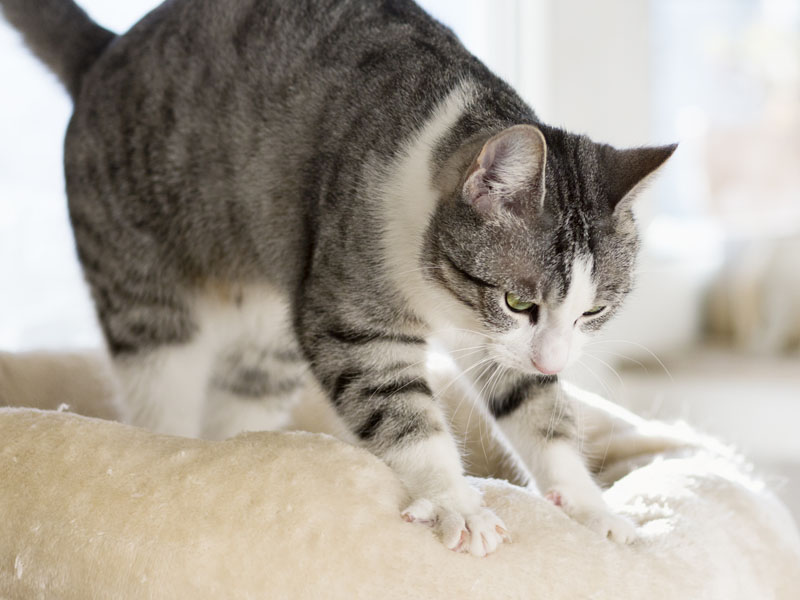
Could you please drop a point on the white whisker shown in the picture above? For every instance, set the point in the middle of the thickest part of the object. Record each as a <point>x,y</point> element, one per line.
<point>641,346</point>
<point>610,368</point>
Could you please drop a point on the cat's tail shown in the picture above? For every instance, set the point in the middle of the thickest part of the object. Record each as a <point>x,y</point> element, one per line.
<point>61,34</point>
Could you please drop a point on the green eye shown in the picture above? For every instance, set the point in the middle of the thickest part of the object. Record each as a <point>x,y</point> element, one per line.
<point>516,303</point>
<point>594,311</point>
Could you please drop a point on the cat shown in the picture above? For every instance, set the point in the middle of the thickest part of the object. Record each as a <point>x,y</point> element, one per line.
<point>263,191</point>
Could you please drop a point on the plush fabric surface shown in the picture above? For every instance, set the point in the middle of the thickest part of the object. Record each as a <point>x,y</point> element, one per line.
<point>96,509</point>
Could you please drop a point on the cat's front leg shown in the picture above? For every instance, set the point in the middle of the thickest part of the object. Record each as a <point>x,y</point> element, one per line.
<point>376,381</point>
<point>442,498</point>
<point>536,415</point>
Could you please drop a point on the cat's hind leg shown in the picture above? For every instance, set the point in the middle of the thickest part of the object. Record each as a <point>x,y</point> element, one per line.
<point>259,373</point>
<point>159,352</point>
<point>164,389</point>
<point>253,388</point>
<point>161,358</point>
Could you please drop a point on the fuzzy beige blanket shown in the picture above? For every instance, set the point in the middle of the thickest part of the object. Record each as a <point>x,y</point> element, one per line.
<point>91,508</point>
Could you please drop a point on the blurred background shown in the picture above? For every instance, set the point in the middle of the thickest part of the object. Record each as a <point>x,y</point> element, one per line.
<point>712,333</point>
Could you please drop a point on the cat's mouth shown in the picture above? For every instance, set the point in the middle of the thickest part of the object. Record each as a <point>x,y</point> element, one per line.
<point>526,362</point>
<point>501,354</point>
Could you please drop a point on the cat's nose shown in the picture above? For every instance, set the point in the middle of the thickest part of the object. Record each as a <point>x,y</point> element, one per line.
<point>550,355</point>
<point>545,369</point>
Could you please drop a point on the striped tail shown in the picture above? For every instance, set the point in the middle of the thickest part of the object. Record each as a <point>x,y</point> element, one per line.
<point>60,34</point>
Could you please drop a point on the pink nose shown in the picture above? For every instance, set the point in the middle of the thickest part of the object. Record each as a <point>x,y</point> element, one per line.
<point>547,369</point>
<point>550,354</point>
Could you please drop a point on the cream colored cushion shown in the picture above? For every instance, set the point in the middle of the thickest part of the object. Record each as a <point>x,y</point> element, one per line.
<point>96,509</point>
<point>91,508</point>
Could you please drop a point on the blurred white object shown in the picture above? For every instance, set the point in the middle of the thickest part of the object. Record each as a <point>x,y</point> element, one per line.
<point>755,301</point>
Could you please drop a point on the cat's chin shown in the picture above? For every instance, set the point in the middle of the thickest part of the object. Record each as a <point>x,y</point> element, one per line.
<point>542,373</point>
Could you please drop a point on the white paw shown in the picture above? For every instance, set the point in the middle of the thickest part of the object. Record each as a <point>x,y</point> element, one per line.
<point>595,516</point>
<point>477,530</point>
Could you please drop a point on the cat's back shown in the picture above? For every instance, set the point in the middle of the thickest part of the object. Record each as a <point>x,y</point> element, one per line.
<point>209,119</point>
<point>250,64</point>
<point>196,50</point>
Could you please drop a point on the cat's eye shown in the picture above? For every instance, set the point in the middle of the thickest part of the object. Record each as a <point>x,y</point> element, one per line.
<point>516,303</point>
<point>595,310</point>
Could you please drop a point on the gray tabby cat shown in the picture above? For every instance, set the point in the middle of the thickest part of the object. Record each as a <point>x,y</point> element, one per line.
<point>264,187</point>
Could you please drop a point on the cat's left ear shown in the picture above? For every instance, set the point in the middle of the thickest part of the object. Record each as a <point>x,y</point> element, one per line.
<point>627,170</point>
<point>508,172</point>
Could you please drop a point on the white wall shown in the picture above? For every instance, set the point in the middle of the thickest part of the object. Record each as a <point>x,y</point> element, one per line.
<point>600,69</point>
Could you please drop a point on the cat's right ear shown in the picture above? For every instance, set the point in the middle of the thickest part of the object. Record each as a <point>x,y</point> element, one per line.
<point>626,171</point>
<point>508,172</point>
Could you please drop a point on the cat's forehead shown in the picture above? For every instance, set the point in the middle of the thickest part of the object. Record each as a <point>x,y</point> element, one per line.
<point>542,263</point>
<point>555,280</point>
<point>569,154</point>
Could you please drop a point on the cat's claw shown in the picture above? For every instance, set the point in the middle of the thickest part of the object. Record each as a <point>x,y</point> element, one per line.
<point>597,518</point>
<point>478,532</point>
<point>609,525</point>
<point>554,496</point>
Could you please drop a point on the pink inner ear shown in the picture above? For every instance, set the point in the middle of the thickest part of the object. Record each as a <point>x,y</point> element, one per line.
<point>509,165</point>
<point>476,190</point>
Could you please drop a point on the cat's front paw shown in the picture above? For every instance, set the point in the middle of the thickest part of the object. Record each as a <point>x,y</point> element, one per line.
<point>476,530</point>
<point>596,517</point>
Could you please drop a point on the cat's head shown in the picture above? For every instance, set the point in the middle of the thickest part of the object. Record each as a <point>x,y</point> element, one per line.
<point>539,241</point>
